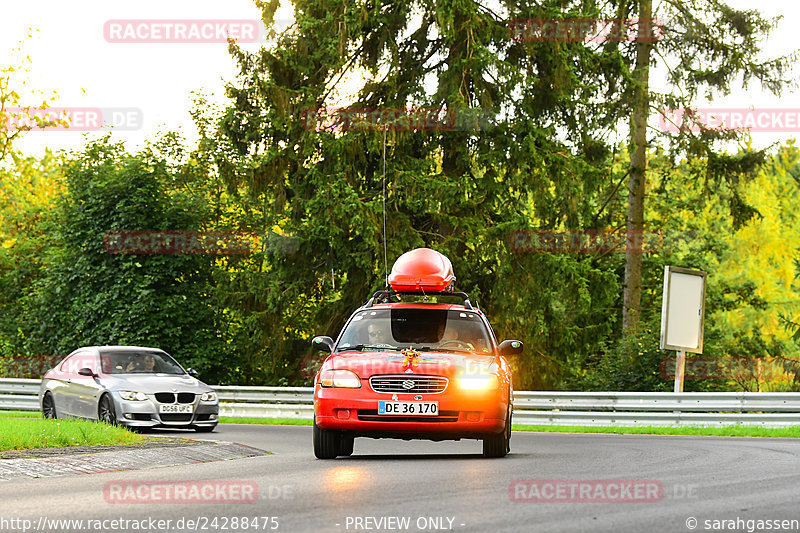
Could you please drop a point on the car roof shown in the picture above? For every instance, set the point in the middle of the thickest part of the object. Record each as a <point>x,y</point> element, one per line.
<point>120,348</point>
<point>420,305</point>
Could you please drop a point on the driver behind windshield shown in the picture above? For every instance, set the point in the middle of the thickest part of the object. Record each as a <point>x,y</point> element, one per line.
<point>376,334</point>
<point>450,337</point>
<point>148,365</point>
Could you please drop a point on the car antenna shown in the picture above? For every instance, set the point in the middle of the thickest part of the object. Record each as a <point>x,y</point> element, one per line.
<point>385,253</point>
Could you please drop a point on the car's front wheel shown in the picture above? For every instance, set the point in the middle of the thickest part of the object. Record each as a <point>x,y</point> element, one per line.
<point>105,410</point>
<point>346,445</point>
<point>500,444</point>
<point>48,406</point>
<point>327,443</point>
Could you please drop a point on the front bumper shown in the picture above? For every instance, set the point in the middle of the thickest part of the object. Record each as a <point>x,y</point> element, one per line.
<point>145,414</point>
<point>462,414</point>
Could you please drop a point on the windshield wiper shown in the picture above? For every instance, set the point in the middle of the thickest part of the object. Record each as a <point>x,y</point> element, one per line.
<point>362,347</point>
<point>445,350</point>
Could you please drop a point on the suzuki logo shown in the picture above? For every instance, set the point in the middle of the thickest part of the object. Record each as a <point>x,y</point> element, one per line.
<point>408,384</point>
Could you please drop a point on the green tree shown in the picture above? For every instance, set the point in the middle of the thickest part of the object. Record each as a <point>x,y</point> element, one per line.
<point>518,153</point>
<point>89,296</point>
<point>17,116</point>
<point>749,286</point>
<point>707,48</point>
<point>28,191</point>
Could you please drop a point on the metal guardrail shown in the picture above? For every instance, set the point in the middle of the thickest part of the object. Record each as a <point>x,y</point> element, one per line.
<point>266,402</point>
<point>19,394</point>
<point>767,409</point>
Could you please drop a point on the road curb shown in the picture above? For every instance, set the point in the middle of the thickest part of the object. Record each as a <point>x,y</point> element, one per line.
<point>124,458</point>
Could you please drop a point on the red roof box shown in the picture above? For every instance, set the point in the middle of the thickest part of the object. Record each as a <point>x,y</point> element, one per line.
<point>422,269</point>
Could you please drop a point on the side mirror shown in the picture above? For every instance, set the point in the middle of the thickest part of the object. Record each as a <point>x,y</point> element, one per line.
<point>192,372</point>
<point>508,348</point>
<point>86,372</point>
<point>322,343</point>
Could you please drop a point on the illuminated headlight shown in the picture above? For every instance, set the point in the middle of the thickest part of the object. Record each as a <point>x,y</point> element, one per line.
<point>132,396</point>
<point>340,378</point>
<point>208,397</point>
<point>478,382</point>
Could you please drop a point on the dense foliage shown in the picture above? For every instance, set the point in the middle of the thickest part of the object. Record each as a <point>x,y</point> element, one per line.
<point>521,142</point>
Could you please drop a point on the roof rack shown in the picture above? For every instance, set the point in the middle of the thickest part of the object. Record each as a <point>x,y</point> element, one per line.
<point>385,296</point>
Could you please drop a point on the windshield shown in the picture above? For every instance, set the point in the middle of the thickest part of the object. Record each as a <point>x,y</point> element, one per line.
<point>139,362</point>
<point>423,329</point>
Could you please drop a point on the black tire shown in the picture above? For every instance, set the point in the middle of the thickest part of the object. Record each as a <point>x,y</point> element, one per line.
<point>205,429</point>
<point>508,428</point>
<point>346,445</point>
<point>327,443</point>
<point>49,406</point>
<point>105,410</point>
<point>500,444</point>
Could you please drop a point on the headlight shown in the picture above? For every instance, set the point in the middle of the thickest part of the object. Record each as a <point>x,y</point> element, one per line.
<point>132,396</point>
<point>340,378</point>
<point>478,382</point>
<point>208,397</point>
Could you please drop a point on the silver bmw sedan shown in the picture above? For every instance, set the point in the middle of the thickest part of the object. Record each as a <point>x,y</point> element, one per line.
<point>130,386</point>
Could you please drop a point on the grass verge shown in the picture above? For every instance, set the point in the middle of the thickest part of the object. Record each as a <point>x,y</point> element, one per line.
<point>20,414</point>
<point>17,434</point>
<point>727,431</point>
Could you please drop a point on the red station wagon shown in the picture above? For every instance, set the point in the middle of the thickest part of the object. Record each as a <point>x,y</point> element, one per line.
<point>409,365</point>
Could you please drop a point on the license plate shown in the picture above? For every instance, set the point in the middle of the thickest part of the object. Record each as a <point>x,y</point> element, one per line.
<point>409,408</point>
<point>175,408</point>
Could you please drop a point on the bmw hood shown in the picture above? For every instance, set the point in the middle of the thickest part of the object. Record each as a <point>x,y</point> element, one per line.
<point>152,383</point>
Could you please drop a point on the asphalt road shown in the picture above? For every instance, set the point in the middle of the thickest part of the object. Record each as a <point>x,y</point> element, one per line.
<point>447,486</point>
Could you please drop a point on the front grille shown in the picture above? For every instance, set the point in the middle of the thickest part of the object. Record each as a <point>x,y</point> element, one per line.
<point>169,397</point>
<point>408,384</point>
<point>371,415</point>
<point>165,397</point>
<point>185,397</point>
<point>172,417</point>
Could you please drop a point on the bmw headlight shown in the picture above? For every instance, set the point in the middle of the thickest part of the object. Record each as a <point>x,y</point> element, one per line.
<point>209,397</point>
<point>340,378</point>
<point>132,396</point>
<point>482,381</point>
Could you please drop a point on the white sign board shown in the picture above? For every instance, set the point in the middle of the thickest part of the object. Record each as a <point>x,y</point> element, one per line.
<point>682,309</point>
